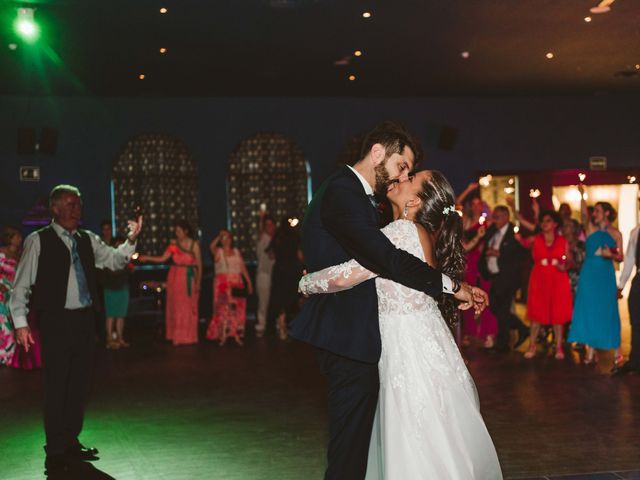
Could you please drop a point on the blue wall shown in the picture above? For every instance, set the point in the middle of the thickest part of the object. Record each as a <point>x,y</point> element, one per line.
<point>494,134</point>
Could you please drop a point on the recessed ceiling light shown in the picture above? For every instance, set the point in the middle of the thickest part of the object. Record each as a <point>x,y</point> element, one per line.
<point>141,76</point>
<point>465,54</point>
<point>637,64</point>
<point>163,50</point>
<point>366,14</point>
<point>587,19</point>
<point>352,78</point>
<point>358,53</point>
<point>163,10</point>
<point>549,55</point>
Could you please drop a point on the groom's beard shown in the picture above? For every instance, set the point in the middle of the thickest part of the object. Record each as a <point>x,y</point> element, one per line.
<point>382,180</point>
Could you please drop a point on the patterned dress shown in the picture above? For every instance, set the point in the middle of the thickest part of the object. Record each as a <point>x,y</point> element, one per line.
<point>7,339</point>
<point>229,311</point>
<point>182,298</point>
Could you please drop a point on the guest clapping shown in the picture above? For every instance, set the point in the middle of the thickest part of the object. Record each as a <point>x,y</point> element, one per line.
<point>549,301</point>
<point>231,286</point>
<point>183,285</point>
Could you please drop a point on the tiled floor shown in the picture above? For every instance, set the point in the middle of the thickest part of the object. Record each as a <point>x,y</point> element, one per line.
<point>205,412</point>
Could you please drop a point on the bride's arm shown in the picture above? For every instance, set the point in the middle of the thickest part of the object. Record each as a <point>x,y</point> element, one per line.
<point>335,279</point>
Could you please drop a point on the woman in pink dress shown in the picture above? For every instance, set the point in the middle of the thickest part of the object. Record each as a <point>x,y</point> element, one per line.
<point>183,285</point>
<point>484,327</point>
<point>231,286</point>
<point>10,353</point>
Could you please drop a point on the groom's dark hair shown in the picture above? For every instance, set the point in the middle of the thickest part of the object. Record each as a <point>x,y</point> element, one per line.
<point>394,138</point>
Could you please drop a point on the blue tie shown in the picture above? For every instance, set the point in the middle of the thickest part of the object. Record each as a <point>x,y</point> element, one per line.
<point>83,288</point>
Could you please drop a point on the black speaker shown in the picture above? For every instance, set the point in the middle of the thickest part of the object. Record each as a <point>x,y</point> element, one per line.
<point>48,141</point>
<point>26,141</point>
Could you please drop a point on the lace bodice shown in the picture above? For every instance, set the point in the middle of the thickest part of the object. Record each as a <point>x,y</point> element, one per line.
<point>392,297</point>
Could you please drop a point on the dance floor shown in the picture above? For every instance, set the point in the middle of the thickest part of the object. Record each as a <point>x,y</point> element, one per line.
<point>258,412</point>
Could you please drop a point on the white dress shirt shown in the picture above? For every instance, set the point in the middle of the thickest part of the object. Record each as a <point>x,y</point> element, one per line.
<point>629,258</point>
<point>447,284</point>
<point>105,257</point>
<point>494,243</point>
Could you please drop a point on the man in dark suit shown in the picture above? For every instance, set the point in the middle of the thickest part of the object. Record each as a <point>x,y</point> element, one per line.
<point>341,223</point>
<point>501,262</point>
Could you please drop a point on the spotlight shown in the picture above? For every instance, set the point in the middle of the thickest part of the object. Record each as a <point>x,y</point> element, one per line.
<point>13,46</point>
<point>163,10</point>
<point>25,25</point>
<point>352,78</point>
<point>358,53</point>
<point>465,55</point>
<point>534,193</point>
<point>141,76</point>
<point>163,50</point>
<point>587,19</point>
<point>366,14</point>
<point>549,55</point>
<point>632,178</point>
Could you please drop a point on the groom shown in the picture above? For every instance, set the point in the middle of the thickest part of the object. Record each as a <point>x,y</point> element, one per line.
<point>341,223</point>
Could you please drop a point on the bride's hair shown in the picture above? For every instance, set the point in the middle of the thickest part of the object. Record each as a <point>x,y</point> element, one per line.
<point>438,215</point>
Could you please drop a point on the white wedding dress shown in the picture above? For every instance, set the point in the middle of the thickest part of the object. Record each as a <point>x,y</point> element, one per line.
<point>428,423</point>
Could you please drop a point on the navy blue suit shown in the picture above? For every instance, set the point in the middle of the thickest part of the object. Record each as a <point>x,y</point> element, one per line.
<point>340,224</point>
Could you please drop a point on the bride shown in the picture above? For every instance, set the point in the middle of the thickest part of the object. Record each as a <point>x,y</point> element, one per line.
<point>428,423</point>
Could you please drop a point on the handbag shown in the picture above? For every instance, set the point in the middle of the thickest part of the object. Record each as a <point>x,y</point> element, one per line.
<point>240,292</point>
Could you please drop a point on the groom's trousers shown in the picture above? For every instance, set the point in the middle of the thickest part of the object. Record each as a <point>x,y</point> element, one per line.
<point>353,397</point>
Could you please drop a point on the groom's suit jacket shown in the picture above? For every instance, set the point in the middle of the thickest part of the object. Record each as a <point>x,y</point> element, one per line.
<point>340,224</point>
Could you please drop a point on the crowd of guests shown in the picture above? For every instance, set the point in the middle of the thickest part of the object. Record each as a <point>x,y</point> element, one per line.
<point>571,292</point>
<point>570,286</point>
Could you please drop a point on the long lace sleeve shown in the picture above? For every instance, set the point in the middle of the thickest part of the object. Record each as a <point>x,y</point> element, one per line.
<point>335,279</point>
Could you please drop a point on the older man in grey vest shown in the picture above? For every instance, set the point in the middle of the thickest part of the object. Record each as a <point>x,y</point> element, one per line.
<point>56,277</point>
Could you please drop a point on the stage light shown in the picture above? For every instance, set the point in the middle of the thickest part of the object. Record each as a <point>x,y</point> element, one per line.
<point>25,25</point>
<point>357,53</point>
<point>549,55</point>
<point>13,46</point>
<point>534,193</point>
<point>582,177</point>
<point>632,178</point>
<point>366,14</point>
<point>163,10</point>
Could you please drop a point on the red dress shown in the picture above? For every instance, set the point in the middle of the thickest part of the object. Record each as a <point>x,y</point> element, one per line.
<point>182,298</point>
<point>549,301</point>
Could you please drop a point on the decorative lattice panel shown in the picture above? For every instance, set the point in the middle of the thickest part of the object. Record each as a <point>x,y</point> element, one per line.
<point>267,168</point>
<point>157,173</point>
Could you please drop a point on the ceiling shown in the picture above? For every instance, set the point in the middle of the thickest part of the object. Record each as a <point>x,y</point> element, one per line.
<point>289,47</point>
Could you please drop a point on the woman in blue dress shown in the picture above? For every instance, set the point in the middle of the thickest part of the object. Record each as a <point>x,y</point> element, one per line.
<point>596,321</point>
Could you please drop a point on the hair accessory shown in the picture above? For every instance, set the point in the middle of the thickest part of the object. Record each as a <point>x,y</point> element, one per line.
<point>449,209</point>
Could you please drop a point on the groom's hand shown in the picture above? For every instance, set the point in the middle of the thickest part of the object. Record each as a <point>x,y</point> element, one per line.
<point>464,296</point>
<point>480,300</point>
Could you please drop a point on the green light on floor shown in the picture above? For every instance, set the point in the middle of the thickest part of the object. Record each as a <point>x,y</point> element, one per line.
<point>25,25</point>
